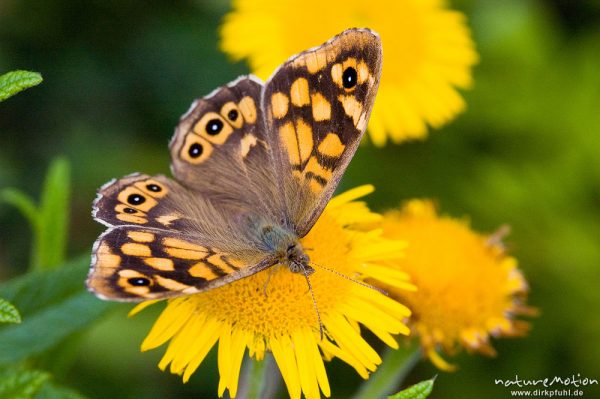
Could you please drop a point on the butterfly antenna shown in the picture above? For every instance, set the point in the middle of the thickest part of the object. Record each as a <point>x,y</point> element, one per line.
<point>312,295</point>
<point>349,278</point>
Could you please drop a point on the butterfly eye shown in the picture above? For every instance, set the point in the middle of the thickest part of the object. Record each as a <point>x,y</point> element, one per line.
<point>136,199</point>
<point>214,126</point>
<point>195,150</point>
<point>349,78</point>
<point>233,115</point>
<point>155,188</point>
<point>139,281</point>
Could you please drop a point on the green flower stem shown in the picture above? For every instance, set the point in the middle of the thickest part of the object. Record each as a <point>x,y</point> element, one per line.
<point>396,365</point>
<point>261,379</point>
<point>257,378</point>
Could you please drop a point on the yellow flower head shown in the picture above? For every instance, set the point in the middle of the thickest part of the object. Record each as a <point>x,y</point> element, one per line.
<point>468,289</point>
<point>428,52</point>
<point>241,315</point>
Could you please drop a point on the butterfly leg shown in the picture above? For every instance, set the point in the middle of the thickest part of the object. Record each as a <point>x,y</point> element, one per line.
<point>271,272</point>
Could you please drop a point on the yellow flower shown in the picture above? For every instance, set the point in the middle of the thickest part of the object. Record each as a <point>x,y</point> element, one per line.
<point>240,315</point>
<point>468,288</point>
<point>428,52</point>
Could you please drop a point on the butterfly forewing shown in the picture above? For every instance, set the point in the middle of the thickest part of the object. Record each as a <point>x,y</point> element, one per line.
<point>220,151</point>
<point>317,106</point>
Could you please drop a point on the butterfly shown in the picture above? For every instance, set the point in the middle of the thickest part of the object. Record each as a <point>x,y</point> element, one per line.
<point>254,165</point>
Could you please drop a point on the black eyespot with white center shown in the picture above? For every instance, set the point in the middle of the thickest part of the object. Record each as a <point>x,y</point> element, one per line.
<point>136,199</point>
<point>349,78</point>
<point>214,126</point>
<point>129,210</point>
<point>139,281</point>
<point>155,188</point>
<point>233,115</point>
<point>195,150</point>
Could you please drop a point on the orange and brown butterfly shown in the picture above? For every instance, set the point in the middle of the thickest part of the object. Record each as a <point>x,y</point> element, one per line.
<point>254,165</point>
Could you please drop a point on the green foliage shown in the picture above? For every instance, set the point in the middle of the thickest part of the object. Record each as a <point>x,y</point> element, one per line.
<point>8,313</point>
<point>49,221</point>
<point>15,81</point>
<point>417,391</point>
<point>51,299</point>
<point>54,305</point>
<point>396,365</point>
<point>21,384</point>
<point>51,390</point>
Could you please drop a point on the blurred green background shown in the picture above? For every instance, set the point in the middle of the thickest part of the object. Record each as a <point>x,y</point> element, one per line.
<point>117,76</point>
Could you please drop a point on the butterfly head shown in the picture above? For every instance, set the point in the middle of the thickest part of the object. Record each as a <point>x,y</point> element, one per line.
<point>286,248</point>
<point>297,261</point>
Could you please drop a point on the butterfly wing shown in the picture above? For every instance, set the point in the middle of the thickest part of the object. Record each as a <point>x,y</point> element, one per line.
<point>219,149</point>
<point>165,241</point>
<point>138,199</point>
<point>317,106</point>
<point>137,263</point>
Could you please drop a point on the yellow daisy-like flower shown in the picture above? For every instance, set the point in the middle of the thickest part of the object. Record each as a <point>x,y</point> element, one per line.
<point>468,288</point>
<point>240,316</point>
<point>428,52</point>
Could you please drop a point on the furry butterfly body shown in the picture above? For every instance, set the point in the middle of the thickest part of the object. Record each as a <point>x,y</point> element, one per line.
<point>254,166</point>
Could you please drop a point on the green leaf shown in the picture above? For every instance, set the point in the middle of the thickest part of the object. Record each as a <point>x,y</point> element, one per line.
<point>23,203</point>
<point>13,82</point>
<point>54,215</point>
<point>54,305</point>
<point>51,390</point>
<point>396,365</point>
<point>417,391</point>
<point>8,313</point>
<point>31,291</point>
<point>21,384</point>
<point>48,327</point>
<point>49,221</point>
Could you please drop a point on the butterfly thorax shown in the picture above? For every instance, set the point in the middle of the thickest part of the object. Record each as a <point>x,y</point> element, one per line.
<point>286,248</point>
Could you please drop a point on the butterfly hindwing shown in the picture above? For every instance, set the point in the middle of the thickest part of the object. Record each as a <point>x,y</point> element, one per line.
<point>317,106</point>
<point>136,263</point>
<point>164,240</point>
